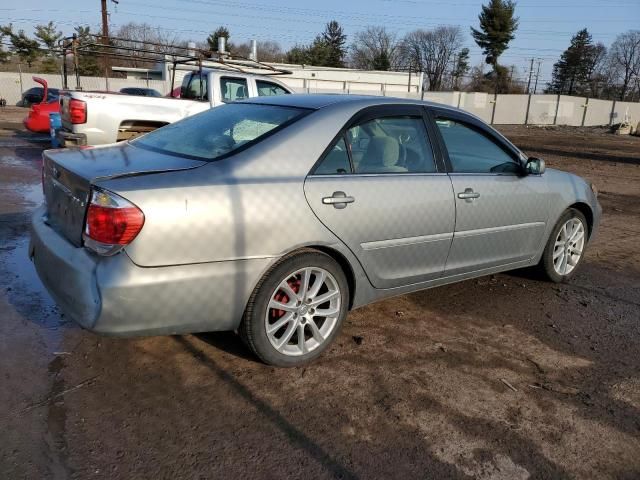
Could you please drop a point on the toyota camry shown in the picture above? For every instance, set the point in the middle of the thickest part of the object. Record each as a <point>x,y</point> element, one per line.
<point>275,216</point>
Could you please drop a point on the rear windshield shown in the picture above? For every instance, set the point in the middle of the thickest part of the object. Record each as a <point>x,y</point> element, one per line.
<point>219,131</point>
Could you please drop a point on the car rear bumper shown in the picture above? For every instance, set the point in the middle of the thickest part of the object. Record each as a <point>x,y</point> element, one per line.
<point>67,272</point>
<point>113,296</point>
<point>70,139</point>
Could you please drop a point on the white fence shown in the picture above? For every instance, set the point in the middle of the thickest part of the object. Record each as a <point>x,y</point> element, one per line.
<point>12,84</point>
<point>495,109</point>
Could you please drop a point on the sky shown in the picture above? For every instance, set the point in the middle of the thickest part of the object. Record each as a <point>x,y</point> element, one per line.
<point>545,29</point>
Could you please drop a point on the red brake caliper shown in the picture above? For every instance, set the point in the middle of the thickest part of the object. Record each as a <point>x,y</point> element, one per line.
<point>284,298</point>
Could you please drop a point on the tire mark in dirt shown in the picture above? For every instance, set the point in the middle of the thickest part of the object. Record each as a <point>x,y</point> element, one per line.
<point>56,423</point>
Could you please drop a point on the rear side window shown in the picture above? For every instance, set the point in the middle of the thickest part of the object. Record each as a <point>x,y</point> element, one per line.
<point>382,145</point>
<point>233,89</point>
<point>391,145</point>
<point>194,87</point>
<point>219,131</point>
<point>471,151</point>
<point>267,89</point>
<point>336,161</point>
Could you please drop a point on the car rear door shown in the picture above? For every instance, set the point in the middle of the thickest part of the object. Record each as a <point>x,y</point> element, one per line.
<point>381,188</point>
<point>501,213</point>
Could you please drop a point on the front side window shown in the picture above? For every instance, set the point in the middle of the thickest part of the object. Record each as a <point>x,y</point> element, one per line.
<point>233,89</point>
<point>268,89</point>
<point>219,131</point>
<point>471,151</point>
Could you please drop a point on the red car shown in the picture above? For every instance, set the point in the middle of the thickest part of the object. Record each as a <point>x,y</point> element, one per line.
<point>38,118</point>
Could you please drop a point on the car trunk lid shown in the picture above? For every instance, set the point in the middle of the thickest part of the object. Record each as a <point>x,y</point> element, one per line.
<point>69,173</point>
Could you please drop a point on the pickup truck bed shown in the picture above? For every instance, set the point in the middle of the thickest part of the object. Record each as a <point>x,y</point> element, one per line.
<point>96,118</point>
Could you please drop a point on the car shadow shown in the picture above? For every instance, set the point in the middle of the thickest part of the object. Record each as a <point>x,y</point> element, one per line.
<point>228,342</point>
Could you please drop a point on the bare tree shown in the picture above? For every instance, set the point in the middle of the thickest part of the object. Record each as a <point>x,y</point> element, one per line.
<point>132,34</point>
<point>268,51</point>
<point>375,49</point>
<point>598,70</point>
<point>432,52</point>
<point>625,52</point>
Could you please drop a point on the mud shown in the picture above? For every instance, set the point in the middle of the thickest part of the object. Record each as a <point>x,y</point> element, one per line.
<point>503,377</point>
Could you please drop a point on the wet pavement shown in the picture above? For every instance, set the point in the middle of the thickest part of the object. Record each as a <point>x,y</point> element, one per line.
<point>501,377</point>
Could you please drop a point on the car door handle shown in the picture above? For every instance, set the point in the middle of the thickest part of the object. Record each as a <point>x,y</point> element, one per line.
<point>338,200</point>
<point>468,195</point>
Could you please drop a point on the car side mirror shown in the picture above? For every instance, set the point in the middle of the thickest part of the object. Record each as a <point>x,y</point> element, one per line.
<point>535,166</point>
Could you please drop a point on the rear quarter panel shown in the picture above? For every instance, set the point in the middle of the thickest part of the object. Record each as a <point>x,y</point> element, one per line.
<point>250,205</point>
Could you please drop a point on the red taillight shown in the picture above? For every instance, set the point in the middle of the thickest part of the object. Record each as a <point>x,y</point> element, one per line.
<point>77,111</point>
<point>115,226</point>
<point>112,222</point>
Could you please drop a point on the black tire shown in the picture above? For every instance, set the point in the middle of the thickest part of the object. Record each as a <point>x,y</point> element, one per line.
<point>546,266</point>
<point>252,328</point>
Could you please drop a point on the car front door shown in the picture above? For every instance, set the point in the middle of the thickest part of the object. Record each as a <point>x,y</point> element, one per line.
<point>501,213</point>
<point>380,187</point>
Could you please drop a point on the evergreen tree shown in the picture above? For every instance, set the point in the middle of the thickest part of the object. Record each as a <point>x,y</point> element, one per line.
<point>212,39</point>
<point>334,40</point>
<point>381,61</point>
<point>297,55</point>
<point>461,67</point>
<point>48,37</point>
<point>4,55</point>
<point>27,49</point>
<point>87,63</point>
<point>572,73</point>
<point>326,50</point>
<point>497,27</point>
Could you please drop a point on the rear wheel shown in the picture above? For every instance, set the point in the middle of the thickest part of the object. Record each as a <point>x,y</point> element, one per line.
<point>565,248</point>
<point>296,310</point>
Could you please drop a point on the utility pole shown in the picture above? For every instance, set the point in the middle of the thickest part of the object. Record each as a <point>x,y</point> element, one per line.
<point>535,85</point>
<point>530,73</point>
<point>105,38</point>
<point>105,23</point>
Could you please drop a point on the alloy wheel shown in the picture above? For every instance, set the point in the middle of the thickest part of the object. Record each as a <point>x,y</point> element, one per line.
<point>568,247</point>
<point>303,311</point>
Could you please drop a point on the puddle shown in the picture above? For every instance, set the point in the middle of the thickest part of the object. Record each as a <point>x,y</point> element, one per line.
<point>32,193</point>
<point>24,288</point>
<point>11,161</point>
<point>21,284</point>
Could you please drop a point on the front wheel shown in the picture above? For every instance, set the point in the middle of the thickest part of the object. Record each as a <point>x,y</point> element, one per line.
<point>565,248</point>
<point>296,310</point>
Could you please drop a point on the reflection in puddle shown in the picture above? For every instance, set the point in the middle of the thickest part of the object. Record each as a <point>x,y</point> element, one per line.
<point>25,290</point>
<point>20,281</point>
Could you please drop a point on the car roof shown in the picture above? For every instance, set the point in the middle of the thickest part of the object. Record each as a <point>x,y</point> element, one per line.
<point>317,101</point>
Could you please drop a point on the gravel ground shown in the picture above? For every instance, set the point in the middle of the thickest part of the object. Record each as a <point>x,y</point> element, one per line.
<point>503,377</point>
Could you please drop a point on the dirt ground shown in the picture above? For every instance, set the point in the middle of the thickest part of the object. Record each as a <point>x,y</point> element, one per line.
<point>503,377</point>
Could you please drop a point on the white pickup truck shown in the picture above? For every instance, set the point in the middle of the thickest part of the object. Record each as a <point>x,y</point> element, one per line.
<point>96,118</point>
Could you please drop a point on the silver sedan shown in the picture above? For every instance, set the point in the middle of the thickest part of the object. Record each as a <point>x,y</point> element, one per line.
<point>276,216</point>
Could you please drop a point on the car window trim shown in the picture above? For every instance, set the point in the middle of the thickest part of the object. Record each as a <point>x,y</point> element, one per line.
<point>476,125</point>
<point>371,113</point>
